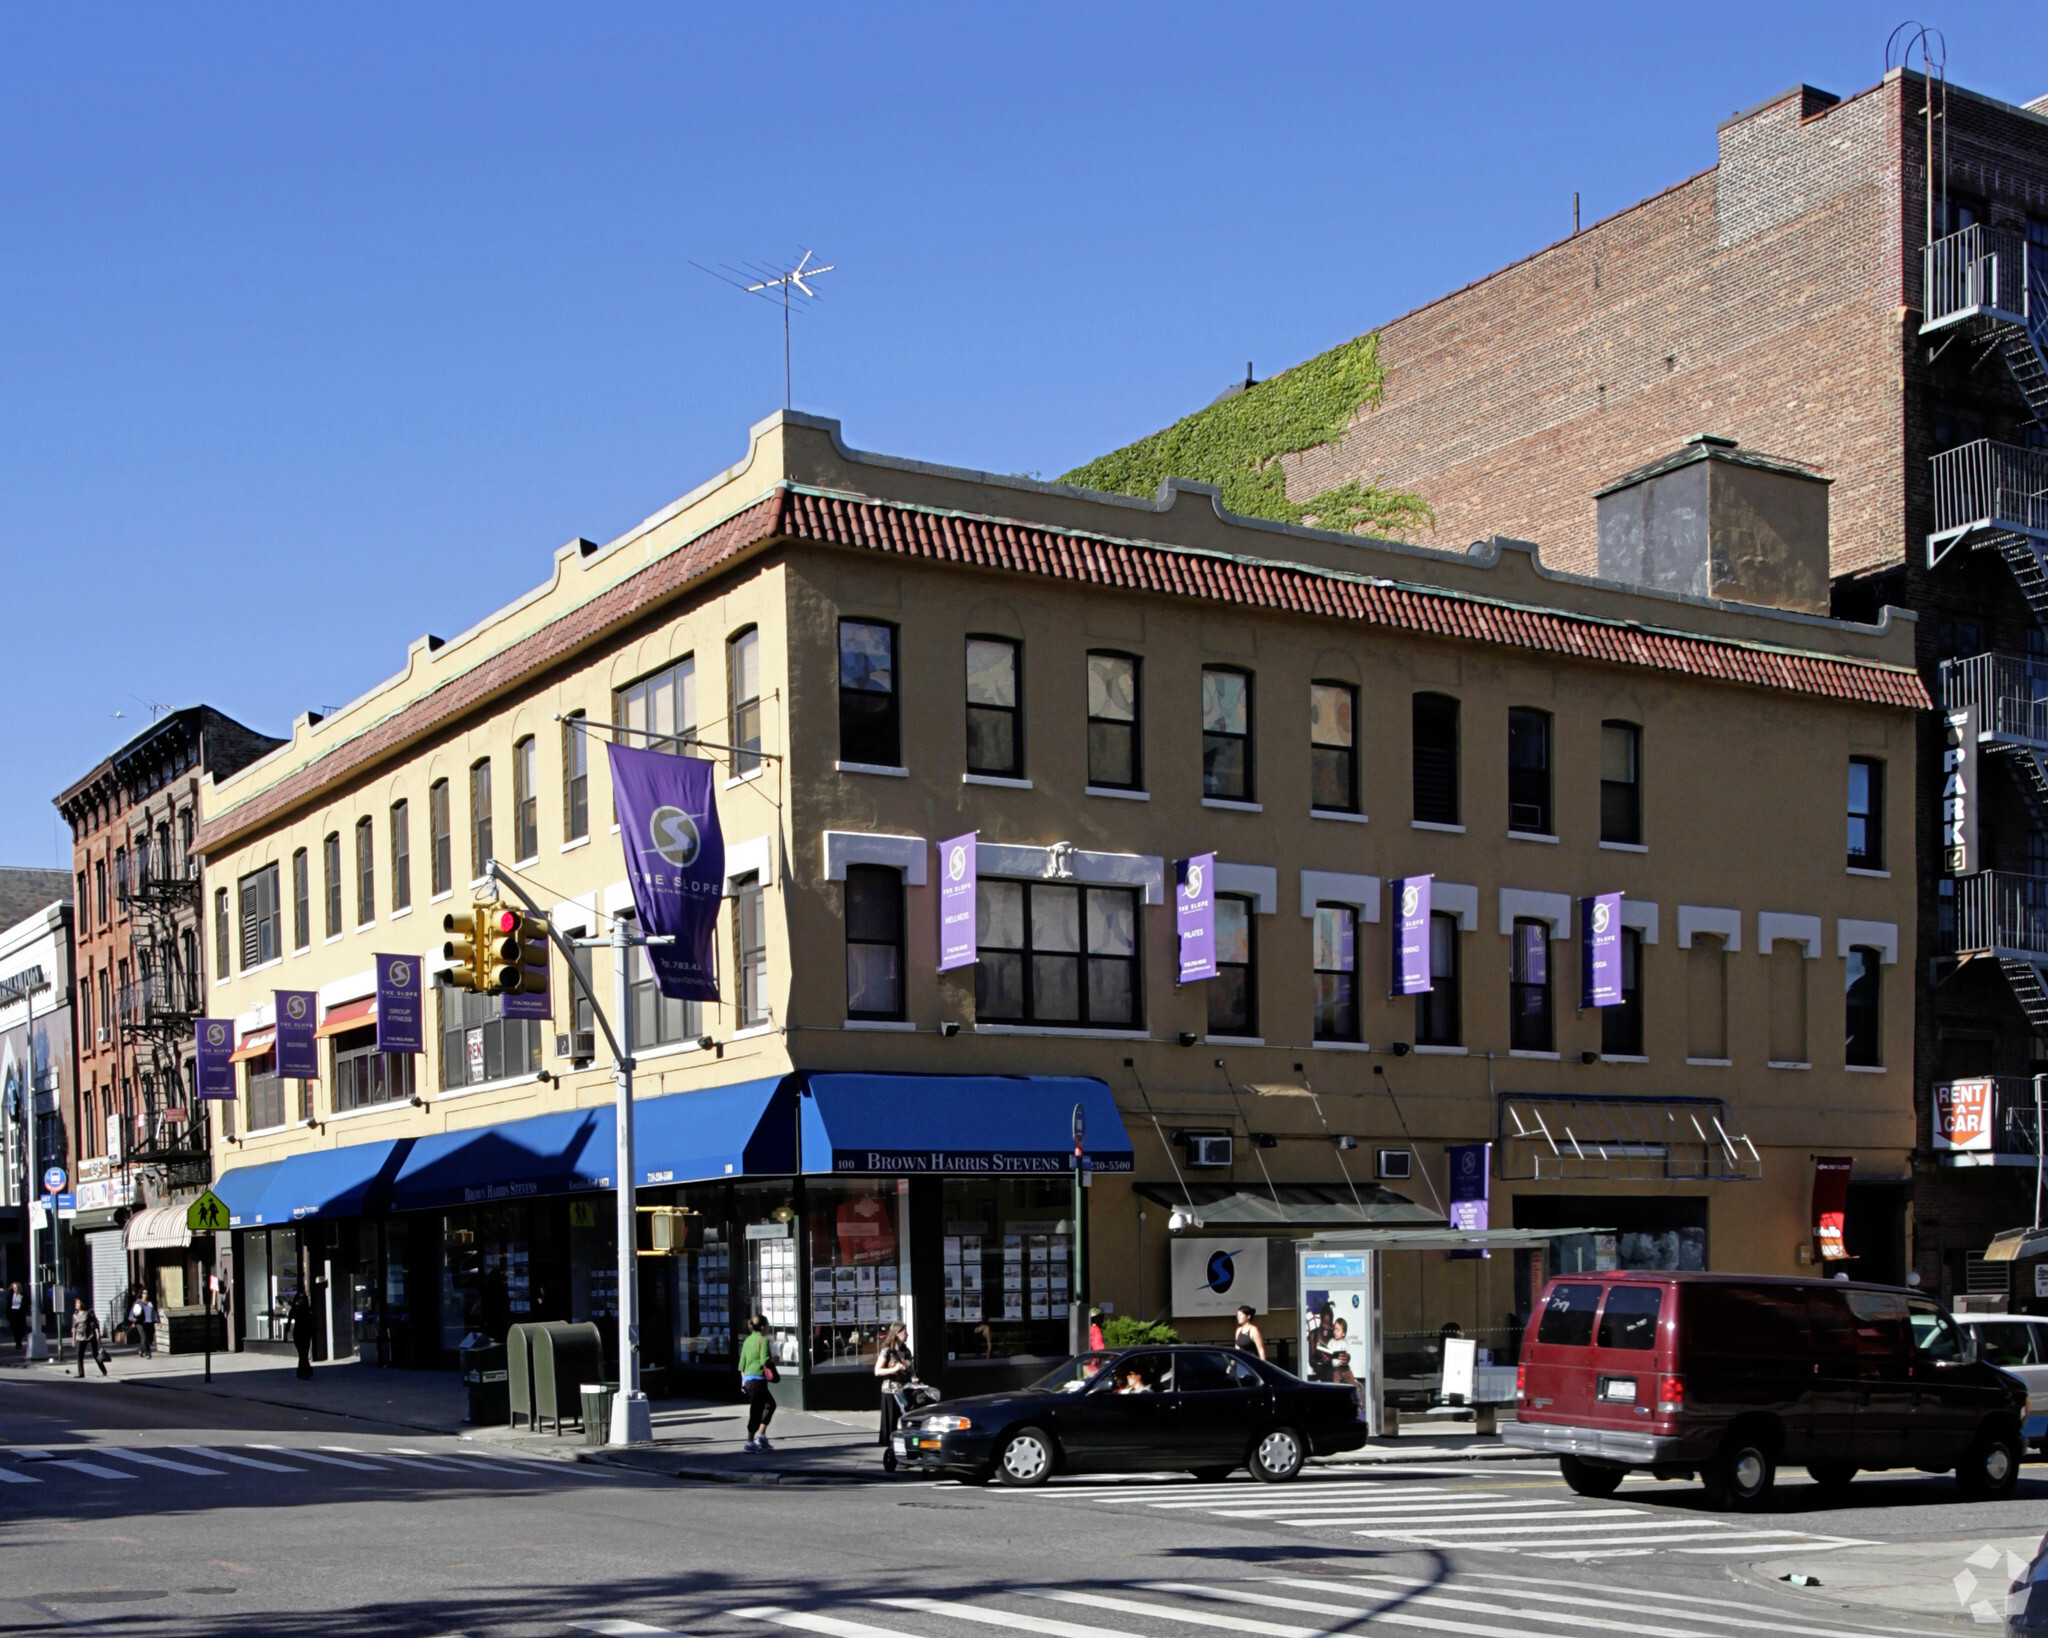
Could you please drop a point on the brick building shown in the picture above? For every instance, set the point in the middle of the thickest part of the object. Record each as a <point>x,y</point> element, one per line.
<point>1776,299</point>
<point>139,902</point>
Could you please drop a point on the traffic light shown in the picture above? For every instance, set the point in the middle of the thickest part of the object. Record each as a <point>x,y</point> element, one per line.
<point>529,974</point>
<point>468,947</point>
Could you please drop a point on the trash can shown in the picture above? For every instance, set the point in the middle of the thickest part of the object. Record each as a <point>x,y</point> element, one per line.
<point>597,1411</point>
<point>484,1375</point>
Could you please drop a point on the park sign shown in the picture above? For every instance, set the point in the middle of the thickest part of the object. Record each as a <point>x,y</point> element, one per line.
<point>206,1215</point>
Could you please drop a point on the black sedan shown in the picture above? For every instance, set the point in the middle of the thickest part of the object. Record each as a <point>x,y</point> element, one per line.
<point>1206,1410</point>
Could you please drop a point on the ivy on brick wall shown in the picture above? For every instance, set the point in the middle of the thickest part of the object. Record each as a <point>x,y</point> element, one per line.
<point>1237,444</point>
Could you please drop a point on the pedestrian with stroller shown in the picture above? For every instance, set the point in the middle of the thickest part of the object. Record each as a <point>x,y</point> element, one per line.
<point>757,1380</point>
<point>85,1333</point>
<point>895,1369</point>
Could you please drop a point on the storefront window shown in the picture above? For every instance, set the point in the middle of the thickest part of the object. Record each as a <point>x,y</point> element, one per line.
<point>487,1273</point>
<point>860,1265</point>
<point>270,1279</point>
<point>704,1275</point>
<point>1009,1268</point>
<point>767,1215</point>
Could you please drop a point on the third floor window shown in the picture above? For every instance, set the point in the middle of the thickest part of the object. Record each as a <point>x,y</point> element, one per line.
<point>481,844</point>
<point>1621,790</point>
<point>995,707</point>
<point>526,799</point>
<point>1114,758</point>
<point>330,871</point>
<point>440,842</point>
<point>1436,759</point>
<point>1866,813</point>
<point>1529,771</point>
<point>1333,747</point>
<point>743,689</point>
<point>366,871</point>
<point>1226,733</point>
<point>868,727</point>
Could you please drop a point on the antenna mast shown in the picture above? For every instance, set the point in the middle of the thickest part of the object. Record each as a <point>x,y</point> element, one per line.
<point>766,280</point>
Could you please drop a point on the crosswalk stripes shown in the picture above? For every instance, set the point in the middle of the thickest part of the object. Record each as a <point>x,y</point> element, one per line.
<point>147,1459</point>
<point>19,1465</point>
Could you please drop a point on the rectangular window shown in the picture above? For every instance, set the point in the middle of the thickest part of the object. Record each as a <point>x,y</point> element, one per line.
<point>1057,953</point>
<point>1529,771</point>
<point>1864,1037</point>
<point>222,938</point>
<point>440,829</point>
<point>1114,751</point>
<point>1621,795</point>
<point>478,1043</point>
<point>266,1093</point>
<point>995,714</point>
<point>1233,1003</point>
<point>657,1020</point>
<point>262,922</point>
<point>1436,759</point>
<point>660,711</point>
<point>366,871</point>
<point>481,846</point>
<point>401,856</point>
<point>575,778</point>
<point>874,942</point>
<point>363,1076</point>
<point>1333,747</point>
<point>99,877</point>
<point>1437,1020</point>
<point>1529,988</point>
<point>750,946</point>
<point>526,799</point>
<point>121,878</point>
<point>1336,963</point>
<point>1866,813</point>
<point>581,989</point>
<point>84,911</point>
<point>1226,733</point>
<point>1786,966</point>
<point>302,901</point>
<point>868,729</point>
<point>743,689</point>
<point>330,870</point>
<point>1621,1027</point>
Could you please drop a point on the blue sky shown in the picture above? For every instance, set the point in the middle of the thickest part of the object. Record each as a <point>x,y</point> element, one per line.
<point>321,328</point>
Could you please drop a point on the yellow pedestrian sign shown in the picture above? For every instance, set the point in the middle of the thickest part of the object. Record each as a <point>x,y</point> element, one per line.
<point>206,1215</point>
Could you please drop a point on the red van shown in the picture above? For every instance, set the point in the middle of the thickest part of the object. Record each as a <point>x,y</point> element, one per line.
<point>1729,1375</point>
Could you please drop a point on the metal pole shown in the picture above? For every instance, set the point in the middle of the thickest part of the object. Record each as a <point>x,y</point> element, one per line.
<point>36,1348</point>
<point>2037,1149</point>
<point>632,1422</point>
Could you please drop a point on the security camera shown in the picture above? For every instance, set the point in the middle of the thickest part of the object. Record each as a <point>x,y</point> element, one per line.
<point>949,1028</point>
<point>1182,1220</point>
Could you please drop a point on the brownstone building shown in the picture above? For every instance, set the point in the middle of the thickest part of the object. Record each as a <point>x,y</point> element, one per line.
<point>1807,299</point>
<point>139,901</point>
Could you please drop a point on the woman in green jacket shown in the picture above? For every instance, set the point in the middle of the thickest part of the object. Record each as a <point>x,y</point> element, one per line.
<point>755,1366</point>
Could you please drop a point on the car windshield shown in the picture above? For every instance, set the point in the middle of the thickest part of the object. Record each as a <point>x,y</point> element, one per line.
<point>1074,1375</point>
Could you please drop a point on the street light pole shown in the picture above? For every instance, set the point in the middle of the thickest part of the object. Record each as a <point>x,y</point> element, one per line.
<point>38,1350</point>
<point>632,1420</point>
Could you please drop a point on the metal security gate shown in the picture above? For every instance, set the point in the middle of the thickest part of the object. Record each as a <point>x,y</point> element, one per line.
<point>107,1258</point>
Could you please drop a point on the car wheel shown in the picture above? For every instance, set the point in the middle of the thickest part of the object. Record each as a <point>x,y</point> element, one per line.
<point>1741,1476</point>
<point>1831,1476</point>
<point>1212,1475</point>
<point>1026,1458</point>
<point>1990,1468</point>
<point>1587,1479</point>
<point>1277,1455</point>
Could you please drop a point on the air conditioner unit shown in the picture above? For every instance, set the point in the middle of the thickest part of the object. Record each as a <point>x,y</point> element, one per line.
<point>579,1048</point>
<point>1396,1163</point>
<point>1208,1149</point>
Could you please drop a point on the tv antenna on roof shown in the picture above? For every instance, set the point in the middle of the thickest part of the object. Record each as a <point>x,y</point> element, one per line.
<point>760,281</point>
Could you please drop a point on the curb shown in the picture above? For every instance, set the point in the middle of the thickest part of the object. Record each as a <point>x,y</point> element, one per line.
<point>698,1473</point>
<point>212,1389</point>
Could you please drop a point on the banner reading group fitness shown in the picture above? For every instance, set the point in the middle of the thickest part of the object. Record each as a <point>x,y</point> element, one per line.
<point>675,859</point>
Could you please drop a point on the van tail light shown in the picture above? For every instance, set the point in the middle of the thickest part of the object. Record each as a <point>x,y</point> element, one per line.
<point>1521,1382</point>
<point>1671,1392</point>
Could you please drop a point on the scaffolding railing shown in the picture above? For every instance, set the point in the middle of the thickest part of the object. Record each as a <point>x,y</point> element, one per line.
<point>1978,272</point>
<point>1563,1136</point>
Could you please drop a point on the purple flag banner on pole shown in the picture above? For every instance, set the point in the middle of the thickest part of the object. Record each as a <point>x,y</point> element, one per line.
<point>214,1047</point>
<point>1194,916</point>
<point>399,1027</point>
<point>1600,951</point>
<point>298,1046</point>
<point>1411,935</point>
<point>675,859</point>
<point>1471,1184</point>
<point>957,929</point>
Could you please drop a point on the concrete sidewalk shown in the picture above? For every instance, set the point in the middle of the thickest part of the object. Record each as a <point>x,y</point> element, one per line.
<point>1963,1580</point>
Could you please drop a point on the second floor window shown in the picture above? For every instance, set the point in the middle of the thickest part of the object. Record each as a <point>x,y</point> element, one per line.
<point>1866,813</point>
<point>1233,1001</point>
<point>1435,719</point>
<point>1333,747</point>
<point>261,914</point>
<point>874,942</point>
<point>366,871</point>
<point>1863,1039</point>
<point>1336,959</point>
<point>1621,1027</point>
<point>1057,953</point>
<point>1226,733</point>
<point>1114,759</point>
<point>1621,791</point>
<point>867,694</point>
<point>440,840</point>
<point>750,947</point>
<point>1529,988</point>
<point>479,1043</point>
<point>1437,1020</point>
<point>995,717</point>
<point>1529,771</point>
<point>481,845</point>
<point>658,1020</point>
<point>222,938</point>
<point>743,689</point>
<point>526,799</point>
<point>401,856</point>
<point>575,778</point>
<point>302,901</point>
<point>363,1076</point>
<point>266,1093</point>
<point>330,871</point>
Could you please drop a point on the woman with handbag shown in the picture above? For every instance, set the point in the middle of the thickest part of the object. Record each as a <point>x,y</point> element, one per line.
<point>757,1378</point>
<point>894,1369</point>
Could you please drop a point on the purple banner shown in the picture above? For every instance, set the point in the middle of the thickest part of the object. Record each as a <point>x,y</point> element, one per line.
<point>298,1044</point>
<point>957,933</point>
<point>1471,1184</point>
<point>214,1045</point>
<point>1411,935</point>
<point>399,1027</point>
<point>675,859</point>
<point>1600,951</point>
<point>1194,916</point>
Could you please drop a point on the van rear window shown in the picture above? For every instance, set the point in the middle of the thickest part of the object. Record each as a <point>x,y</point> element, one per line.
<point>1630,1317</point>
<point>1568,1316</point>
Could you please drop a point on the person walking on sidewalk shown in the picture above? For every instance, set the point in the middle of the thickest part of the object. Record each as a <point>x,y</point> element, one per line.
<point>17,1316</point>
<point>148,1325</point>
<point>299,1322</point>
<point>757,1378</point>
<point>85,1332</point>
<point>894,1368</point>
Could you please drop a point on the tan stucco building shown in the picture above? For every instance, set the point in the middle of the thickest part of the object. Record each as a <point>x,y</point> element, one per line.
<point>1097,687</point>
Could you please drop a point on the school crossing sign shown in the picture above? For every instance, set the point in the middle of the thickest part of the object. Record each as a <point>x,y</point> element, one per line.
<point>206,1215</point>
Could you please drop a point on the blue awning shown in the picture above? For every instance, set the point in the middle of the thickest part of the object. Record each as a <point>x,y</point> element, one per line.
<point>748,1130</point>
<point>240,1189</point>
<point>982,1125</point>
<point>345,1182</point>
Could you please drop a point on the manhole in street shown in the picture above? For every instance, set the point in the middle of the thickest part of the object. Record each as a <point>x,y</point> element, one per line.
<point>210,1592</point>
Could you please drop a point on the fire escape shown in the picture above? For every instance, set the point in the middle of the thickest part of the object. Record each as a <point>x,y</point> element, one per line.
<point>158,1007</point>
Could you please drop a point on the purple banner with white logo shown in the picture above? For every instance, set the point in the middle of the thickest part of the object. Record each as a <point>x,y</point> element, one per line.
<point>675,859</point>
<point>1194,916</point>
<point>1600,951</point>
<point>214,1047</point>
<point>1471,1185</point>
<point>298,1045</point>
<point>957,936</point>
<point>399,1026</point>
<point>1411,935</point>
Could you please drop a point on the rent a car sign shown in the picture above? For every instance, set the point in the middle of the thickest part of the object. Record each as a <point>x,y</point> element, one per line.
<point>1962,1114</point>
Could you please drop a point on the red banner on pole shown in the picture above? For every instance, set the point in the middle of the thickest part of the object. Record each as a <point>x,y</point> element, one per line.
<point>1830,1207</point>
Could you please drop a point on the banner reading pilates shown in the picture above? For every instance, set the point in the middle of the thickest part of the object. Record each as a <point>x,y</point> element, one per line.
<point>675,860</point>
<point>958,938</point>
<point>214,1049</point>
<point>399,1026</point>
<point>298,1046</point>
<point>1411,934</point>
<point>1194,916</point>
<point>1600,951</point>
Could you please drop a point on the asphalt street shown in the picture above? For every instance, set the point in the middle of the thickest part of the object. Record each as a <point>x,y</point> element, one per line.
<point>130,1511</point>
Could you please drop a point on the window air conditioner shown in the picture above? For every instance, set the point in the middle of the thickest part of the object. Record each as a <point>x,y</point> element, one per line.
<point>1396,1163</point>
<point>1208,1150</point>
<point>579,1048</point>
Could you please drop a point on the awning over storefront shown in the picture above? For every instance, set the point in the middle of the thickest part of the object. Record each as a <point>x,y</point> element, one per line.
<point>253,1045</point>
<point>240,1189</point>
<point>1298,1206</point>
<point>1010,1125</point>
<point>160,1228</point>
<point>748,1130</point>
<point>349,1015</point>
<point>346,1182</point>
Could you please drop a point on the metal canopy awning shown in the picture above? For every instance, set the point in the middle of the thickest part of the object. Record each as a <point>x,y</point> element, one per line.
<point>1440,1239</point>
<point>2014,1245</point>
<point>1554,1137</point>
<point>1290,1205</point>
